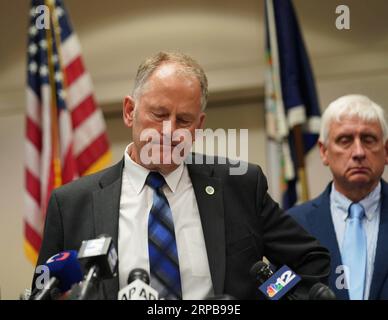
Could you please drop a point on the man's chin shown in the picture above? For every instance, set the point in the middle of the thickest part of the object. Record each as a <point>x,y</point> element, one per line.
<point>359,180</point>
<point>165,163</point>
<point>162,167</point>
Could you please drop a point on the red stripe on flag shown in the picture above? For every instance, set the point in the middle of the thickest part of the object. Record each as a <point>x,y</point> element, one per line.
<point>83,111</point>
<point>74,70</point>
<point>92,153</point>
<point>32,185</point>
<point>34,134</point>
<point>32,236</point>
<point>69,170</point>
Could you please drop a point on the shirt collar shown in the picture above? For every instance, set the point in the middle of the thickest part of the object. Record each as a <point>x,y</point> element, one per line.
<point>370,202</point>
<point>173,178</point>
<point>137,174</point>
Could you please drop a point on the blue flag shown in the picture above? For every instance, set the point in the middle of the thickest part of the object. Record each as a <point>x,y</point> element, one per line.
<point>292,109</point>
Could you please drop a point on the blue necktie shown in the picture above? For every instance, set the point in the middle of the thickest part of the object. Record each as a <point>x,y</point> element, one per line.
<point>162,249</point>
<point>354,252</point>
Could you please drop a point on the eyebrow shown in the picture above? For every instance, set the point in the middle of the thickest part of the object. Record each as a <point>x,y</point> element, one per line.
<point>164,109</point>
<point>185,114</point>
<point>351,134</point>
<point>158,109</point>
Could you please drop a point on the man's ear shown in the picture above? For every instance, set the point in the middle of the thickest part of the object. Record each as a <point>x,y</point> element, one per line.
<point>202,118</point>
<point>128,111</point>
<point>323,153</point>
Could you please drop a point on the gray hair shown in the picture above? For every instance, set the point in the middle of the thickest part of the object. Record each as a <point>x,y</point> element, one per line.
<point>189,67</point>
<point>349,106</point>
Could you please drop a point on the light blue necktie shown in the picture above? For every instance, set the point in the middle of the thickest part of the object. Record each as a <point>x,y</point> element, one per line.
<point>354,252</point>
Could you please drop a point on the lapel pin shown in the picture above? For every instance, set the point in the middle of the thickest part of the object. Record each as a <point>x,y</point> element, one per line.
<point>209,190</point>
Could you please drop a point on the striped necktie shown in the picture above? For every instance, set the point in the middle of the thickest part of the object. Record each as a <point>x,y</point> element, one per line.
<point>162,248</point>
<point>354,252</point>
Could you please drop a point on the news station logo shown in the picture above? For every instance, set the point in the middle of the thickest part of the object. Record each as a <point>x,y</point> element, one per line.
<point>280,283</point>
<point>59,257</point>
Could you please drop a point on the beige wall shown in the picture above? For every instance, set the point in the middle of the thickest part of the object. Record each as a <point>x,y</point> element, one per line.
<point>15,270</point>
<point>225,36</point>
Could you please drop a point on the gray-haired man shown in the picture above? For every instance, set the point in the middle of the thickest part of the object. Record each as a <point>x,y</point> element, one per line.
<point>350,217</point>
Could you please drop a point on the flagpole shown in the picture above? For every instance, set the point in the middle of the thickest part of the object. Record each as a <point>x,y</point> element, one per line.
<point>54,107</point>
<point>302,174</point>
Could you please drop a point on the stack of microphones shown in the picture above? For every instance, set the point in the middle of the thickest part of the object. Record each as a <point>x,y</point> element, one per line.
<point>62,276</point>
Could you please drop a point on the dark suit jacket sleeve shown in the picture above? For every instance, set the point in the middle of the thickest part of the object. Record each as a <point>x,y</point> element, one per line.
<point>52,242</point>
<point>286,242</point>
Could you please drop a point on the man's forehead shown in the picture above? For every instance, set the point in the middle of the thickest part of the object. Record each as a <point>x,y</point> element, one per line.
<point>354,124</point>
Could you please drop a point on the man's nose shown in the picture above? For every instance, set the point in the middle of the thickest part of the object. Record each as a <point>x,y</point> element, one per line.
<point>173,125</point>
<point>169,126</point>
<point>358,150</point>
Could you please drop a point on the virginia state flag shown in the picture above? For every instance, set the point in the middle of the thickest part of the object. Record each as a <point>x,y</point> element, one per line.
<point>292,109</point>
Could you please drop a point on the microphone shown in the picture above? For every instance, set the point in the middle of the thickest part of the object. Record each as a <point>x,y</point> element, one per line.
<point>274,285</point>
<point>138,287</point>
<point>99,257</point>
<point>261,272</point>
<point>319,291</point>
<point>64,270</point>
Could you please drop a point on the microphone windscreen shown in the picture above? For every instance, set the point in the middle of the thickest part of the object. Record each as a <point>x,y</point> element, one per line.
<point>261,271</point>
<point>257,267</point>
<point>140,274</point>
<point>319,291</point>
<point>65,267</point>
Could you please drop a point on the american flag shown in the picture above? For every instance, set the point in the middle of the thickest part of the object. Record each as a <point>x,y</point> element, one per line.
<point>65,131</point>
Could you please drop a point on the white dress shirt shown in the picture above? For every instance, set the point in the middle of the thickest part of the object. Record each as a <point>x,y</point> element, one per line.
<point>339,206</point>
<point>135,205</point>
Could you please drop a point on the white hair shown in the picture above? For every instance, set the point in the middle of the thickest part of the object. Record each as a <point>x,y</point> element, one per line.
<point>352,106</point>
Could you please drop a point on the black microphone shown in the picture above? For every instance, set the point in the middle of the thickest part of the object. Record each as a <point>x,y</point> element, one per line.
<point>138,287</point>
<point>319,291</point>
<point>261,272</point>
<point>99,257</point>
<point>138,273</point>
<point>274,285</point>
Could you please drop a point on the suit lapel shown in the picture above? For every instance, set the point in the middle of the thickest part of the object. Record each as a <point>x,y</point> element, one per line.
<point>106,206</point>
<point>211,211</point>
<point>381,259</point>
<point>322,227</point>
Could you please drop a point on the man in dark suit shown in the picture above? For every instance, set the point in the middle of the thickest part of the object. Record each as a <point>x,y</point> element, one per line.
<point>350,217</point>
<point>205,225</point>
